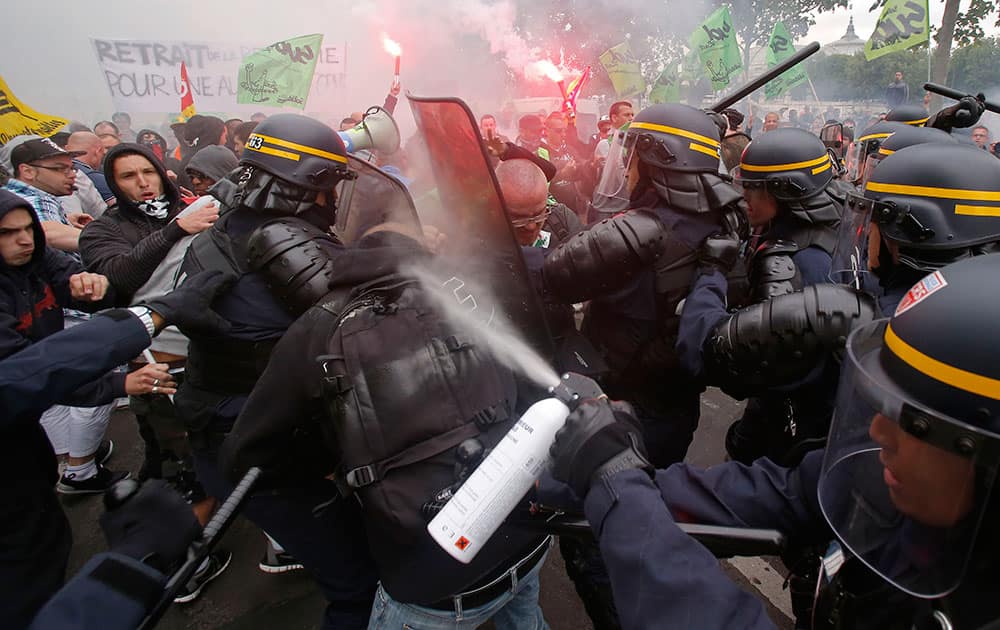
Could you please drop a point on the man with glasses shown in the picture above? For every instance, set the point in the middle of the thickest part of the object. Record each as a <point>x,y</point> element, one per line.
<point>40,172</point>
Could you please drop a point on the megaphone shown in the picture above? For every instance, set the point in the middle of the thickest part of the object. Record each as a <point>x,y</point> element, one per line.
<point>377,131</point>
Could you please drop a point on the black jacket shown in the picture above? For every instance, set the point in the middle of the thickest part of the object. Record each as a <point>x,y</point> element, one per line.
<point>126,244</point>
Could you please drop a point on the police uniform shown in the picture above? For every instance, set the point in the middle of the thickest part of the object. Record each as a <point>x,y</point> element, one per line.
<point>275,217</point>
<point>902,489</point>
<point>790,415</point>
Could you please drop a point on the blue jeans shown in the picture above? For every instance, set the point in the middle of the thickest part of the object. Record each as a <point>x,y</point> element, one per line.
<point>516,609</point>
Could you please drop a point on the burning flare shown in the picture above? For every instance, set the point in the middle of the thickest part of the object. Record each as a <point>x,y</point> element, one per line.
<point>544,68</point>
<point>391,47</point>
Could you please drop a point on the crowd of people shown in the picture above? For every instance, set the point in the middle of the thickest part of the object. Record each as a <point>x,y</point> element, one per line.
<point>247,290</point>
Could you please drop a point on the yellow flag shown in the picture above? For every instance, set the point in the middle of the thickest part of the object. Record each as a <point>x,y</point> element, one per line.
<point>17,119</point>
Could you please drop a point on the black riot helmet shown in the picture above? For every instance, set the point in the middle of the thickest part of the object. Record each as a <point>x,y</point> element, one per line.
<point>867,143</point>
<point>913,115</point>
<point>675,137</point>
<point>936,203</point>
<point>914,445</point>
<point>900,139</point>
<point>791,164</point>
<point>677,151</point>
<point>287,160</point>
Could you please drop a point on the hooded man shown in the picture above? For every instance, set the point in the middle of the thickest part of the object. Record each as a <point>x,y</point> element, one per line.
<point>209,166</point>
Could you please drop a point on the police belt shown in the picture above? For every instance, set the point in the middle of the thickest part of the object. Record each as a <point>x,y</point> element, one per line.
<point>504,583</point>
<point>227,366</point>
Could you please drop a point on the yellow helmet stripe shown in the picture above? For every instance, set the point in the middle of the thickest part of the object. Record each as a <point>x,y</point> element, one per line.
<point>701,149</point>
<point>301,148</point>
<point>937,193</point>
<point>885,151</point>
<point>916,122</point>
<point>956,377</point>
<point>288,155</point>
<point>977,211</point>
<point>674,131</point>
<point>874,136</point>
<point>791,166</point>
<point>825,167</point>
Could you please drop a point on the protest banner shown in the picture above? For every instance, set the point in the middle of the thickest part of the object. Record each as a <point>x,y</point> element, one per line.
<point>715,41</point>
<point>17,119</point>
<point>281,74</point>
<point>901,25</point>
<point>144,75</point>
<point>623,70</point>
<point>780,48</point>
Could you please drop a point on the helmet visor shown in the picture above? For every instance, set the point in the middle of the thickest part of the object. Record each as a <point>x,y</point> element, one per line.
<point>611,193</point>
<point>849,263</point>
<point>894,488</point>
<point>871,162</point>
<point>854,160</point>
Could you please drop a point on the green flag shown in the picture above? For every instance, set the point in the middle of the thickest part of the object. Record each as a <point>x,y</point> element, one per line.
<point>667,88</point>
<point>281,74</point>
<point>902,24</point>
<point>623,70</point>
<point>715,41</point>
<point>778,49</point>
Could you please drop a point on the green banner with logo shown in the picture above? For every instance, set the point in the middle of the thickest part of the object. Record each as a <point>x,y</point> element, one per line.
<point>902,24</point>
<point>623,70</point>
<point>667,88</point>
<point>780,48</point>
<point>281,74</point>
<point>715,41</point>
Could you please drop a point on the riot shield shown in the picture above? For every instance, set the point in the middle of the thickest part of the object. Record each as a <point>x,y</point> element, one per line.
<point>373,201</point>
<point>469,213</point>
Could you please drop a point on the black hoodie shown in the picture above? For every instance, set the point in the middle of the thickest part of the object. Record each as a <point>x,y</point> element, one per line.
<point>126,244</point>
<point>32,297</point>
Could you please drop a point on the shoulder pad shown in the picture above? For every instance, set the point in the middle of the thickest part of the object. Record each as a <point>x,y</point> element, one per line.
<point>605,256</point>
<point>296,260</point>
<point>773,271</point>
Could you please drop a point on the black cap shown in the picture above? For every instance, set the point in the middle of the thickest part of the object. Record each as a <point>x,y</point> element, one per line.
<point>40,149</point>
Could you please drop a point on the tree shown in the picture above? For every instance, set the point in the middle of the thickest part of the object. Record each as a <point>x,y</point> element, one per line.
<point>975,68</point>
<point>754,19</point>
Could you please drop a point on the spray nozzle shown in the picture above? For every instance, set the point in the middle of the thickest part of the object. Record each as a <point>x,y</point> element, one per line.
<point>573,388</point>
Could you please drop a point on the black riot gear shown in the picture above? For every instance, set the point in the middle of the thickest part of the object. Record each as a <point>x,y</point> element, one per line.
<point>937,203</point>
<point>287,160</point>
<point>900,139</point>
<point>296,260</point>
<point>867,143</point>
<point>791,164</point>
<point>914,445</point>
<point>678,150</point>
<point>913,115</point>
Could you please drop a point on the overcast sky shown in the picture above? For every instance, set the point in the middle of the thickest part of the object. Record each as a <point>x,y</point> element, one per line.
<point>50,64</point>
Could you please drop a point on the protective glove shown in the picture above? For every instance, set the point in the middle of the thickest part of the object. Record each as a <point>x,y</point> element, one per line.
<point>599,439</point>
<point>720,121</point>
<point>151,523</point>
<point>965,113</point>
<point>189,307</point>
<point>719,252</point>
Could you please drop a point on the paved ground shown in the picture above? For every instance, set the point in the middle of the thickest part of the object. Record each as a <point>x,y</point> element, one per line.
<point>244,597</point>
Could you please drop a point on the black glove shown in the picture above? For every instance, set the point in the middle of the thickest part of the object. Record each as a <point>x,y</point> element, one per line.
<point>189,307</point>
<point>719,252</point>
<point>965,113</point>
<point>151,523</point>
<point>600,438</point>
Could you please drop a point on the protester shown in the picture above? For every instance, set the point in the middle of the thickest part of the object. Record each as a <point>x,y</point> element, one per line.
<point>106,127</point>
<point>240,136</point>
<point>124,124</point>
<point>90,161</point>
<point>209,166</point>
<point>897,93</point>
<point>981,136</point>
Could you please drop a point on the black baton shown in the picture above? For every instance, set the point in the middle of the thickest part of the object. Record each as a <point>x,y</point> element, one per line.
<point>772,73</point>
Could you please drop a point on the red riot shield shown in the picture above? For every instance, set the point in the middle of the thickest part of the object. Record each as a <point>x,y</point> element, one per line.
<point>470,212</point>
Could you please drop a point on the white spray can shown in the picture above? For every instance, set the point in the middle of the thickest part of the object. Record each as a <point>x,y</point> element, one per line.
<point>493,490</point>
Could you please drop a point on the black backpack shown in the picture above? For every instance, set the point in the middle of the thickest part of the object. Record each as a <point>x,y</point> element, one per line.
<point>410,398</point>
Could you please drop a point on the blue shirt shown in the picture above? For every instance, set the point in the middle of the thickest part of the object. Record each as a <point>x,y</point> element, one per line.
<point>46,206</point>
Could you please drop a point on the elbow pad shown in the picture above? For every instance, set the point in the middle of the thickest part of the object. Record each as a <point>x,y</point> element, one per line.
<point>296,260</point>
<point>605,256</point>
<point>779,342</point>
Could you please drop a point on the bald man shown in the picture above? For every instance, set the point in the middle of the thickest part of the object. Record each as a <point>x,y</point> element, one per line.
<point>90,163</point>
<point>526,192</point>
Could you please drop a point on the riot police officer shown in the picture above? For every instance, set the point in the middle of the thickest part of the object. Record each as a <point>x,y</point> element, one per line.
<point>903,487</point>
<point>795,207</point>
<point>867,144</point>
<point>930,205</point>
<point>912,115</point>
<point>273,235</point>
<point>637,266</point>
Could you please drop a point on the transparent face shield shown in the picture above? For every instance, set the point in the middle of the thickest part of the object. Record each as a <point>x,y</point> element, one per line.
<point>896,487</point>
<point>849,264</point>
<point>611,193</point>
<point>873,160</point>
